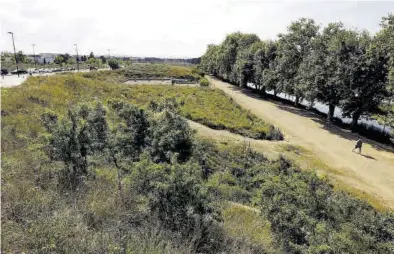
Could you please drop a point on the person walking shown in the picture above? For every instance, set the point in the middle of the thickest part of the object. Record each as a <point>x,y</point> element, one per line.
<point>359,144</point>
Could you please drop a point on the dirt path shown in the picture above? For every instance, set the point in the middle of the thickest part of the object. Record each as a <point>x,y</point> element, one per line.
<point>372,172</point>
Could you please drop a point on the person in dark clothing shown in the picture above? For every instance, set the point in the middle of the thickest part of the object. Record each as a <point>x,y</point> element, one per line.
<point>358,145</point>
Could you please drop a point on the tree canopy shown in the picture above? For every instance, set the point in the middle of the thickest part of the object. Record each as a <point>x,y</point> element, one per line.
<point>339,67</point>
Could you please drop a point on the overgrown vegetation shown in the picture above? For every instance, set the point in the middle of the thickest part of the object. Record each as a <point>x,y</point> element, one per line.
<point>146,71</point>
<point>96,175</point>
<point>203,82</point>
<point>207,106</point>
<point>337,66</point>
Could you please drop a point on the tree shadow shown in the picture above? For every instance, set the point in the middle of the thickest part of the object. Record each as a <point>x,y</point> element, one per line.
<point>334,129</point>
<point>318,117</point>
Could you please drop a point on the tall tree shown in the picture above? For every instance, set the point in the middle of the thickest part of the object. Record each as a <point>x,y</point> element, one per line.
<point>244,70</point>
<point>66,57</point>
<point>294,47</point>
<point>323,71</point>
<point>365,86</point>
<point>209,62</point>
<point>103,59</point>
<point>20,57</point>
<point>91,55</point>
<point>271,74</point>
<point>59,59</point>
<point>385,46</point>
<point>228,51</point>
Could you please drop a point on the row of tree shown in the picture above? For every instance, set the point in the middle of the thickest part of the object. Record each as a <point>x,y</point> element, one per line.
<point>337,66</point>
<point>59,59</point>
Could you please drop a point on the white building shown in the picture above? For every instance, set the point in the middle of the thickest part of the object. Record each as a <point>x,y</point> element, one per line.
<point>46,58</point>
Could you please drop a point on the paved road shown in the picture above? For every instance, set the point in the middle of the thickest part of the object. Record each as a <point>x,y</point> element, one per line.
<point>372,172</point>
<point>14,80</point>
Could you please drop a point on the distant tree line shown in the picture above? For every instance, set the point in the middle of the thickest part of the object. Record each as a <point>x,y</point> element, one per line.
<point>337,66</point>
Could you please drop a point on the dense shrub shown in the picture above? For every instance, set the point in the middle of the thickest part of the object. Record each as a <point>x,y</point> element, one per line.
<point>306,214</point>
<point>139,197</point>
<point>113,64</point>
<point>171,136</point>
<point>203,82</point>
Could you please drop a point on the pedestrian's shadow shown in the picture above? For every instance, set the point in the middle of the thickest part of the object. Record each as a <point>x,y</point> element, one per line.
<point>367,156</point>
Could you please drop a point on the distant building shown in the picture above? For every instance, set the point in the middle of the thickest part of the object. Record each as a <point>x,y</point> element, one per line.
<point>46,58</point>
<point>31,58</point>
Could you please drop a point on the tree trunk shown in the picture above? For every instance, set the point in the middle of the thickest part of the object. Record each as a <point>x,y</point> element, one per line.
<point>331,110</point>
<point>262,90</point>
<point>242,83</point>
<point>356,115</point>
<point>311,103</point>
<point>297,100</point>
<point>275,92</point>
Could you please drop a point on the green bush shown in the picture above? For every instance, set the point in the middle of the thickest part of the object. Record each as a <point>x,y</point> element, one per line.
<point>171,136</point>
<point>113,64</point>
<point>204,82</point>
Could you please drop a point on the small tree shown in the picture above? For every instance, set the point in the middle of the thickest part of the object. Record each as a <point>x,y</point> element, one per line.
<point>59,59</point>
<point>178,198</point>
<point>204,82</point>
<point>69,141</point>
<point>113,64</point>
<point>131,132</point>
<point>66,57</point>
<point>170,135</point>
<point>103,59</point>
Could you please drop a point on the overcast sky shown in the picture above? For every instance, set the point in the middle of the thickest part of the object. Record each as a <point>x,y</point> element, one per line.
<point>164,28</point>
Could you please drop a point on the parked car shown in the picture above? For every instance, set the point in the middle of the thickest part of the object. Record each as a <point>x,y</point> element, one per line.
<point>32,70</point>
<point>19,72</point>
<point>4,71</point>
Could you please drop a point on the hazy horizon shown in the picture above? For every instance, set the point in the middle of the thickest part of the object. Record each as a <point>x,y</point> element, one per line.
<point>171,29</point>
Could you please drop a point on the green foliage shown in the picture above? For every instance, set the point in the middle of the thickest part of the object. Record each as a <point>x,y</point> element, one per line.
<point>59,59</point>
<point>209,107</point>
<point>146,71</point>
<point>332,66</point>
<point>113,64</point>
<point>70,142</point>
<point>132,130</point>
<point>151,187</point>
<point>246,224</point>
<point>203,82</point>
<point>171,136</point>
<point>294,47</point>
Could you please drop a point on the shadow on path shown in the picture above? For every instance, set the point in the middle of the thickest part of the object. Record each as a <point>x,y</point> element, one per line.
<point>368,156</point>
<point>302,111</point>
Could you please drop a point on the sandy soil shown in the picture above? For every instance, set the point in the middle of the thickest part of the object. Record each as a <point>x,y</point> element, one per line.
<point>371,172</point>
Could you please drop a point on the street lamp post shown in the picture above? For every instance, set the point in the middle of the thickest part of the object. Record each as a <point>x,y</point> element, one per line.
<point>16,60</point>
<point>109,57</point>
<point>34,55</point>
<point>76,49</point>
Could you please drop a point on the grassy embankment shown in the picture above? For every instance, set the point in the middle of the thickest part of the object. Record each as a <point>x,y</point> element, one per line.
<point>146,71</point>
<point>30,188</point>
<point>299,211</point>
